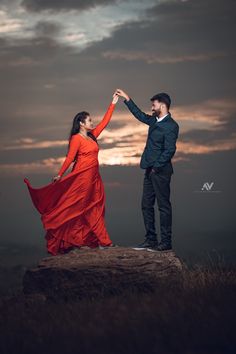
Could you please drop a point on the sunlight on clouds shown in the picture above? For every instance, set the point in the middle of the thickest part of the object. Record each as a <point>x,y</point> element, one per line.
<point>125,156</point>
<point>152,58</point>
<point>10,25</point>
<point>27,143</point>
<point>49,86</point>
<point>23,61</point>
<point>193,148</point>
<point>74,37</point>
<point>45,166</point>
<point>52,165</point>
<point>131,132</point>
<point>25,140</point>
<point>209,114</point>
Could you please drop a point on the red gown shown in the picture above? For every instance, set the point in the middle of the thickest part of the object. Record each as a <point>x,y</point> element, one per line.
<point>73,208</point>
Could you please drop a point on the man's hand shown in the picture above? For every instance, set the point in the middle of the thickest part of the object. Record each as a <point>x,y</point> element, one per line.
<point>154,169</point>
<point>121,93</point>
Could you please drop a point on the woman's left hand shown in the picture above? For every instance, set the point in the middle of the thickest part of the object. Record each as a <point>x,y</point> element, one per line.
<point>56,178</point>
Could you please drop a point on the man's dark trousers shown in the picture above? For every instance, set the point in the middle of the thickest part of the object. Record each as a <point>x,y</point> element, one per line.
<point>156,186</point>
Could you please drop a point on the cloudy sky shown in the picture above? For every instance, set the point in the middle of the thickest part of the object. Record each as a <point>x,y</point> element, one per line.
<point>61,57</point>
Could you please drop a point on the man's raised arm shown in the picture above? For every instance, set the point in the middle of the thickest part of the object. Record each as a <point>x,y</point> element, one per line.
<point>135,110</point>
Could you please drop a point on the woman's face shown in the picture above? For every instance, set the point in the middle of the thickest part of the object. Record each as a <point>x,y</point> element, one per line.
<point>88,124</point>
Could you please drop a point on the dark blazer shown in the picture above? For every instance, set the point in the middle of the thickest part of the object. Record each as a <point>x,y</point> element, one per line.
<point>161,141</point>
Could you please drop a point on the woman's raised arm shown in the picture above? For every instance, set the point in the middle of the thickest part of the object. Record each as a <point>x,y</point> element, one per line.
<point>107,117</point>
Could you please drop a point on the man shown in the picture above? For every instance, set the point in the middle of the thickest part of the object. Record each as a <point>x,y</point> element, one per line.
<point>156,160</point>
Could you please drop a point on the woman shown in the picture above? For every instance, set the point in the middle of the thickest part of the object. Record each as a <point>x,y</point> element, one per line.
<point>72,207</point>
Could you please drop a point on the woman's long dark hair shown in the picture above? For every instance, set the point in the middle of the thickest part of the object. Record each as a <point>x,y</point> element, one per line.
<point>79,117</point>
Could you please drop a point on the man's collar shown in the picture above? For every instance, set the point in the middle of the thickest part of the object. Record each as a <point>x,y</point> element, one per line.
<point>164,117</point>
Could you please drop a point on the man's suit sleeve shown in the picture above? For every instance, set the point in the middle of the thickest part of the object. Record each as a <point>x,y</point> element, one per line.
<point>169,147</point>
<point>136,111</point>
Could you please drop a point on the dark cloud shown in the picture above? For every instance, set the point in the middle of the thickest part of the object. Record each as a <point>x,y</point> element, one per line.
<point>62,5</point>
<point>206,24</point>
<point>175,30</point>
<point>85,80</point>
<point>189,10</point>
<point>3,2</point>
<point>47,28</point>
<point>9,4</point>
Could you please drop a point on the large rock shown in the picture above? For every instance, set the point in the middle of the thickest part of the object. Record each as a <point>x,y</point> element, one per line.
<point>89,273</point>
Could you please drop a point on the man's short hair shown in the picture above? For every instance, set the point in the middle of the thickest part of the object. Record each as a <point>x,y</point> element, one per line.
<point>162,97</point>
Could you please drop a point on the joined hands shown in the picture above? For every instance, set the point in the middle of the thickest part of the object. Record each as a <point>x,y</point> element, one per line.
<point>120,93</point>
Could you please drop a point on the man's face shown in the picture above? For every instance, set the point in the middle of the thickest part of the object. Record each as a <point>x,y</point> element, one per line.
<point>156,107</point>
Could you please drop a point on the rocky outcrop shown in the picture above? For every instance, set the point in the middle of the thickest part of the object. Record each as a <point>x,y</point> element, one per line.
<point>90,273</point>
